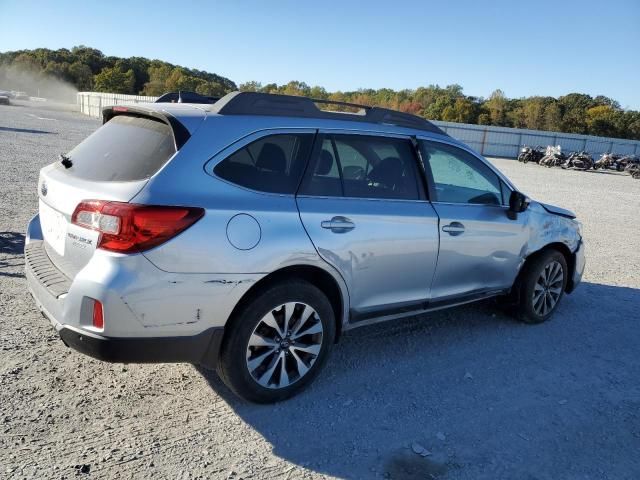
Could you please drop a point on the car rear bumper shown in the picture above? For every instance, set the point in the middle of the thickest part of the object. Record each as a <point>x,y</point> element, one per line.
<point>150,315</point>
<point>201,349</point>
<point>45,283</point>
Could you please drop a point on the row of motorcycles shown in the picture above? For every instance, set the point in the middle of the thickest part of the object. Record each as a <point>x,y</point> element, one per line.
<point>553,157</point>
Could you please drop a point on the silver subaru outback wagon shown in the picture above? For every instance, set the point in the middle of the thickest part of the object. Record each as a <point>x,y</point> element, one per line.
<point>247,235</point>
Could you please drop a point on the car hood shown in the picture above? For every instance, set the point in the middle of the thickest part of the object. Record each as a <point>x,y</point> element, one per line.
<point>557,210</point>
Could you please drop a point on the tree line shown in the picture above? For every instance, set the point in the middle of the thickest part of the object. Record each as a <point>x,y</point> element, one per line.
<point>90,70</point>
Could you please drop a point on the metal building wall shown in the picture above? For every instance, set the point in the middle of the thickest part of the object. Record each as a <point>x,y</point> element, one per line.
<point>486,139</point>
<point>506,142</point>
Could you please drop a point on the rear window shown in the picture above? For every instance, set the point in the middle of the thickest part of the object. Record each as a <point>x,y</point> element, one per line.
<point>125,148</point>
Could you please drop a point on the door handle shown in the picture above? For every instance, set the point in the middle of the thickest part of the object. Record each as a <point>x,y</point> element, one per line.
<point>338,224</point>
<point>454,229</point>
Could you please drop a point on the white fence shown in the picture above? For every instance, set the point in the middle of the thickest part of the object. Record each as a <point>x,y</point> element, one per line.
<point>92,103</point>
<point>488,140</point>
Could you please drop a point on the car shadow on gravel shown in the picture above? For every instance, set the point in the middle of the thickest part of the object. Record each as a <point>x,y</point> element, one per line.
<point>446,394</point>
<point>362,397</point>
<point>26,130</point>
<point>11,243</point>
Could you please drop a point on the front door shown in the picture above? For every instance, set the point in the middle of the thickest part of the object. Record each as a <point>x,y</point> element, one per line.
<point>480,247</point>
<point>364,209</point>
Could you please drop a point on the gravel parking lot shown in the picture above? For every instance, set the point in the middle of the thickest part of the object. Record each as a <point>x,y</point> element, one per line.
<point>479,395</point>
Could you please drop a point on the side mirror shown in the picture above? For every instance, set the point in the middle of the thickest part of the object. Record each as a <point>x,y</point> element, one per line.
<point>518,203</point>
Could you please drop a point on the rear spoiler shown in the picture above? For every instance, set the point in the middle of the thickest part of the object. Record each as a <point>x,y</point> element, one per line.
<point>178,130</point>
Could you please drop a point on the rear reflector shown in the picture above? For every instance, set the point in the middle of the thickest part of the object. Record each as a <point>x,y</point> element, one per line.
<point>120,109</point>
<point>129,228</point>
<point>98,315</point>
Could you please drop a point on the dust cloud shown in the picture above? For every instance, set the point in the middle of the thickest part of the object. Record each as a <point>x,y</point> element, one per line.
<point>36,84</point>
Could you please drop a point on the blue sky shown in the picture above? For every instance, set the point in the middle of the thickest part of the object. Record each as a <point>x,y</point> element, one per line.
<point>524,48</point>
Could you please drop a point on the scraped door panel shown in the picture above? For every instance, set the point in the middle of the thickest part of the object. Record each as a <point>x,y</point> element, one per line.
<point>385,250</point>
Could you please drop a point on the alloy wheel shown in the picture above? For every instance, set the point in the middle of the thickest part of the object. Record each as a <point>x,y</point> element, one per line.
<point>284,345</point>
<point>548,288</point>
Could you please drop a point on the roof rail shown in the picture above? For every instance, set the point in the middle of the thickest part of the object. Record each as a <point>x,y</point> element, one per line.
<point>182,96</point>
<point>255,103</point>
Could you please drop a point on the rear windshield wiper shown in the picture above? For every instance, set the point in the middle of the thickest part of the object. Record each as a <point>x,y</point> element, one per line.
<point>65,160</point>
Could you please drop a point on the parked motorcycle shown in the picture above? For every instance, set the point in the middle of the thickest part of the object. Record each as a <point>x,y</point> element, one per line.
<point>609,161</point>
<point>632,166</point>
<point>579,161</point>
<point>530,154</point>
<point>627,160</point>
<point>553,160</point>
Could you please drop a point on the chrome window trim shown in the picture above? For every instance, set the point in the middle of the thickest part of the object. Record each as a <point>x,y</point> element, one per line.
<point>504,207</point>
<point>369,133</point>
<point>327,197</point>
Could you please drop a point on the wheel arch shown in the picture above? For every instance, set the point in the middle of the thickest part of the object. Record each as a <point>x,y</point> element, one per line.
<point>569,256</point>
<point>335,292</point>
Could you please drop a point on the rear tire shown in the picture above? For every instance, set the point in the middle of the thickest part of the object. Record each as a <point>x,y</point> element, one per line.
<point>267,356</point>
<point>541,286</point>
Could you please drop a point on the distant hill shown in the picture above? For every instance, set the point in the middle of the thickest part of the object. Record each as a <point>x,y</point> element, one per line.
<point>55,73</point>
<point>89,69</point>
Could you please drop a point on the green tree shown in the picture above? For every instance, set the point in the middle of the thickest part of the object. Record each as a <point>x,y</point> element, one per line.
<point>158,75</point>
<point>81,76</point>
<point>250,86</point>
<point>114,80</point>
<point>484,119</point>
<point>213,89</point>
<point>497,106</point>
<point>552,117</point>
<point>574,107</point>
<point>603,121</point>
<point>533,109</point>
<point>179,79</point>
<point>462,111</point>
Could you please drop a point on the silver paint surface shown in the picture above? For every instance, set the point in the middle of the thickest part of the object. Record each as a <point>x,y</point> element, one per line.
<point>397,251</point>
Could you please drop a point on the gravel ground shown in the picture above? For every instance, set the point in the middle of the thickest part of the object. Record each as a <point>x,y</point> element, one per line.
<point>479,395</point>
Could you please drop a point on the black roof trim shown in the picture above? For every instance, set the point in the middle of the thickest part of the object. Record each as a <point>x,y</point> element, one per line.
<point>179,131</point>
<point>182,96</point>
<point>254,103</point>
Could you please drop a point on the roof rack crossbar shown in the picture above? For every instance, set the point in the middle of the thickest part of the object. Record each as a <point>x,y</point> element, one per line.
<point>255,103</point>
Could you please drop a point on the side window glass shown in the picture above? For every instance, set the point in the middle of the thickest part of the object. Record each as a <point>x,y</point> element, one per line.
<point>271,164</point>
<point>364,167</point>
<point>325,179</point>
<point>459,177</point>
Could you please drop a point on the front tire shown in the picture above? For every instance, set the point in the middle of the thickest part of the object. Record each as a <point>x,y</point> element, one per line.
<point>541,286</point>
<point>278,342</point>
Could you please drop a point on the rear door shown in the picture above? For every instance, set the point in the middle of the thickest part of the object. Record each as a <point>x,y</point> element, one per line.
<point>114,163</point>
<point>480,247</point>
<point>366,213</point>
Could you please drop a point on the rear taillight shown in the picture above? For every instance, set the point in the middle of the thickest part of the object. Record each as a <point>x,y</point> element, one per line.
<point>98,315</point>
<point>129,228</point>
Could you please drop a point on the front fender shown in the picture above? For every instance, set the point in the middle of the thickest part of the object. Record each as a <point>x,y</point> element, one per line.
<point>547,228</point>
